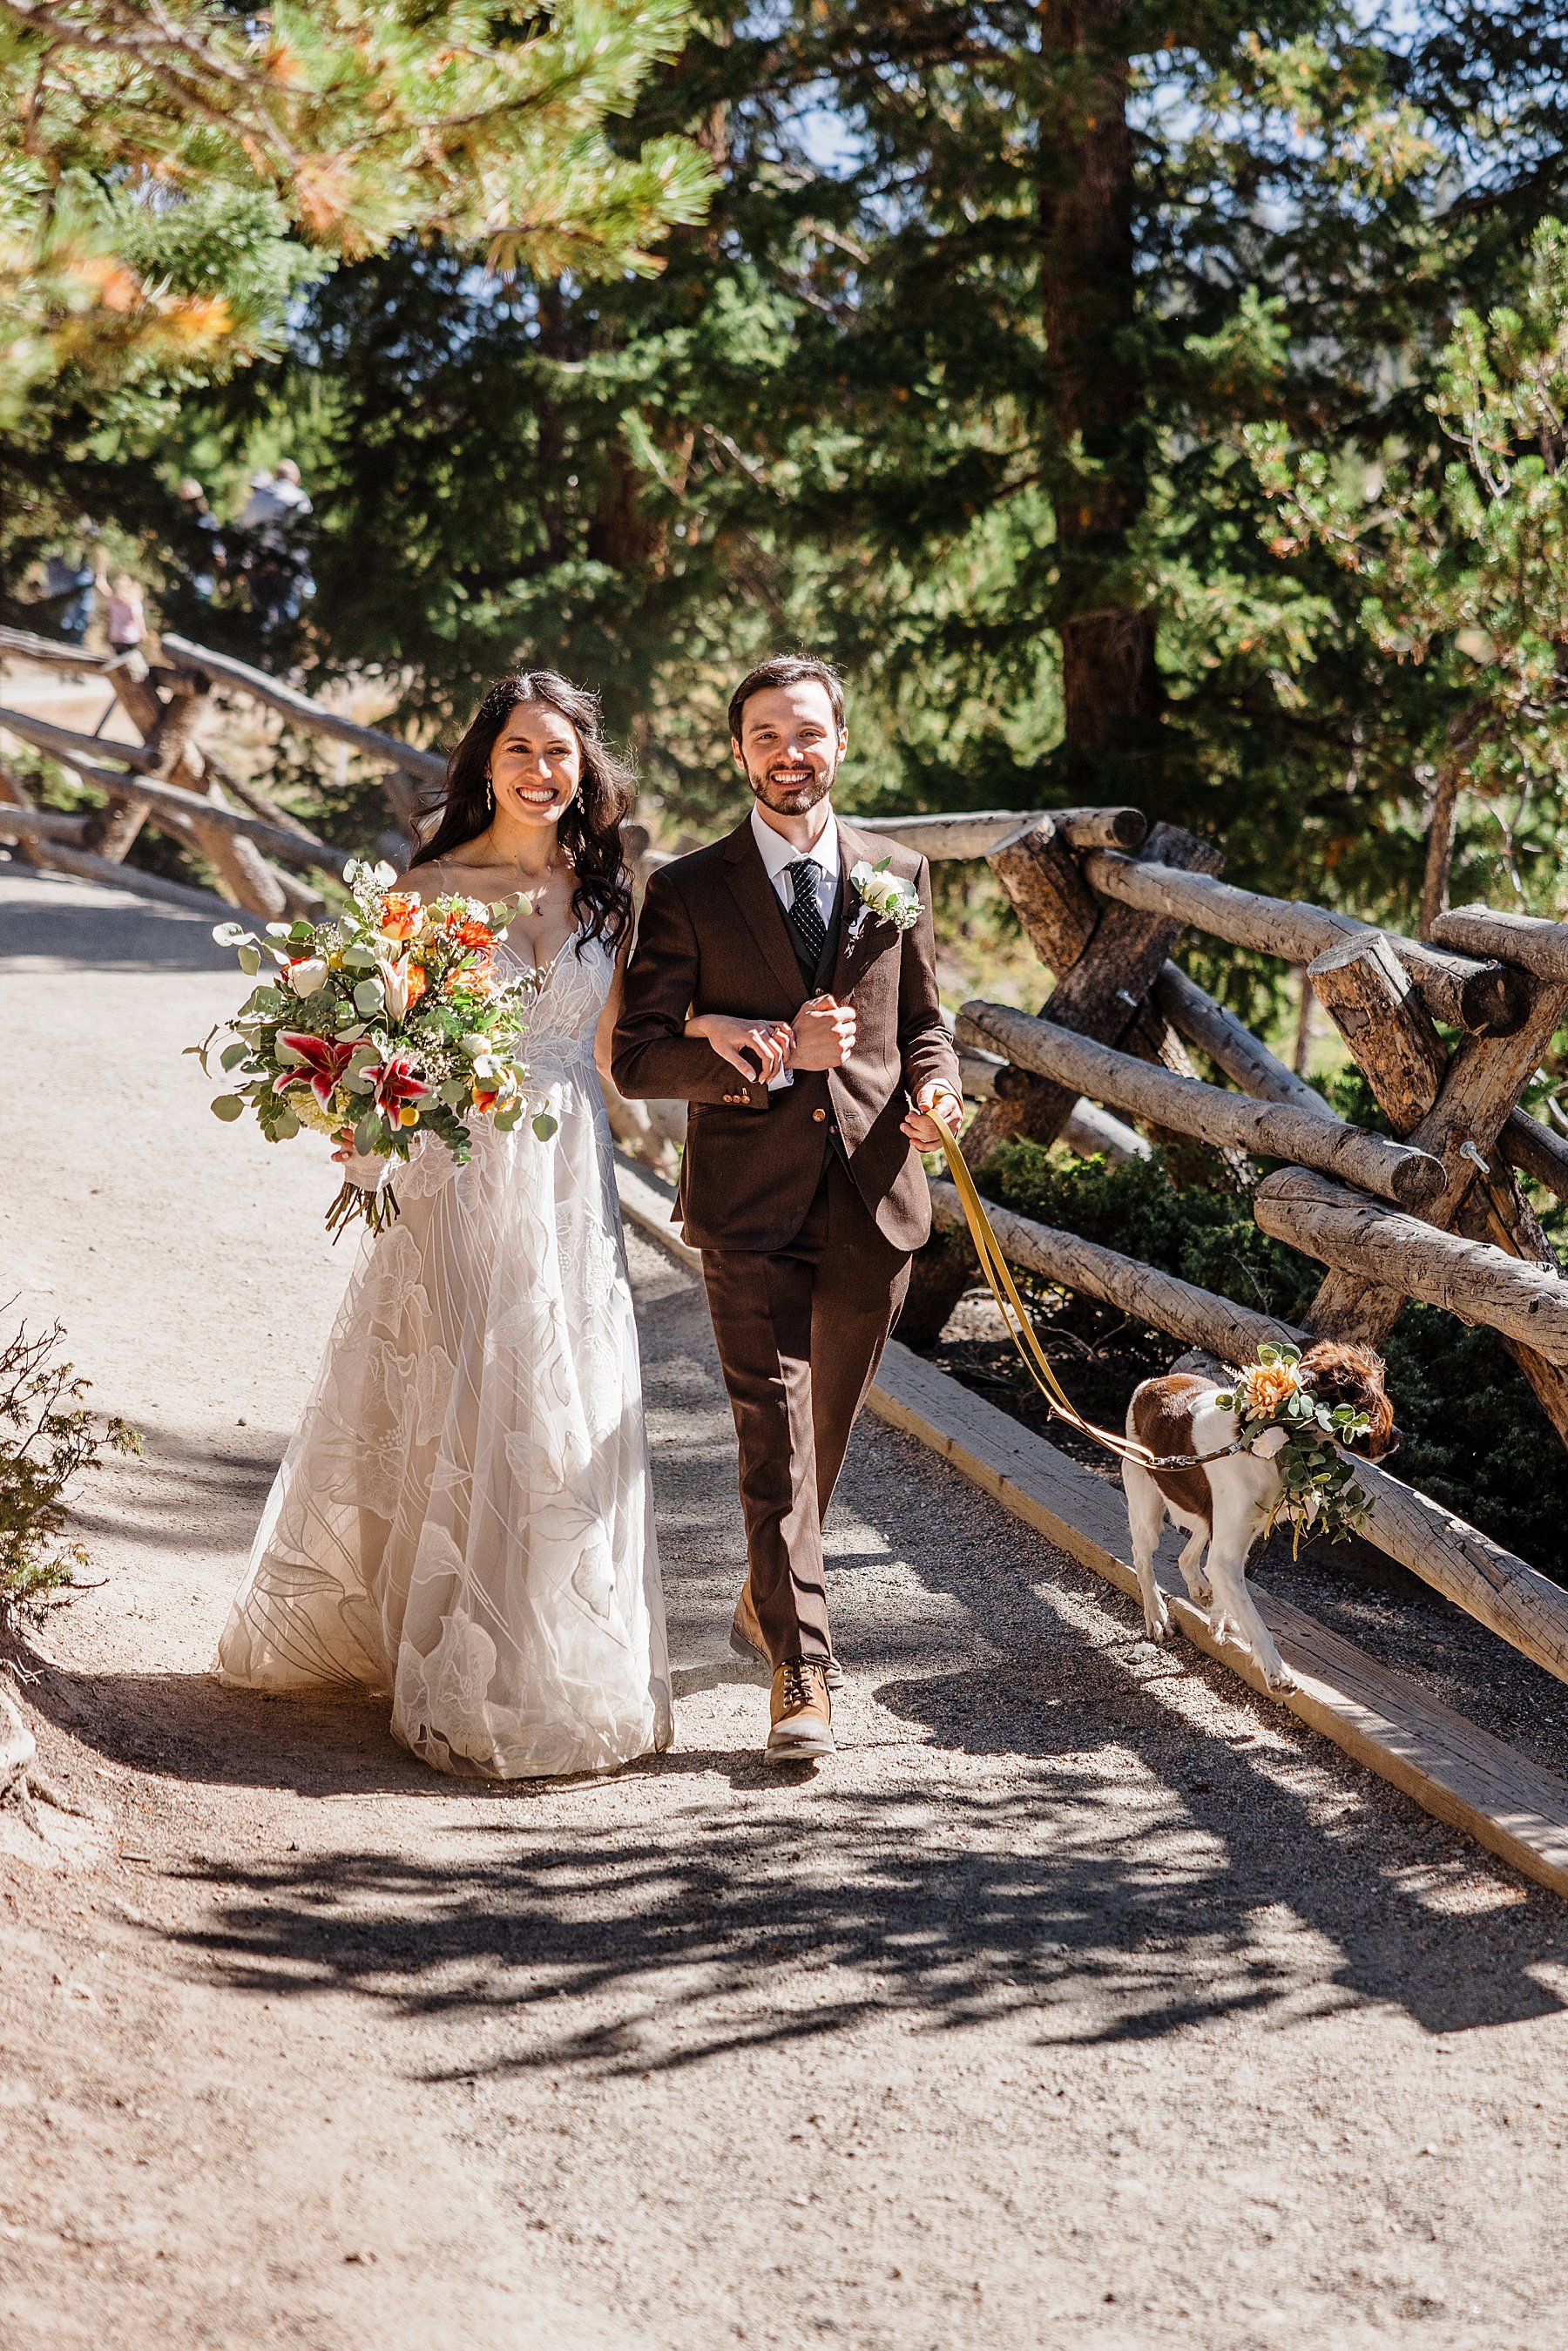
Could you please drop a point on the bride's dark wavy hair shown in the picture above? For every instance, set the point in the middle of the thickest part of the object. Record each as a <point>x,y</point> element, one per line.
<point>590,831</point>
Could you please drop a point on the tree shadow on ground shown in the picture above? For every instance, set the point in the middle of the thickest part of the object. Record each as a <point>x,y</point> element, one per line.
<point>1099,1912</point>
<point>1095,1891</point>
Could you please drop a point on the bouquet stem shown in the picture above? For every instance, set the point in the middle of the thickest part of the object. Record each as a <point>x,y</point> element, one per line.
<point>353,1202</point>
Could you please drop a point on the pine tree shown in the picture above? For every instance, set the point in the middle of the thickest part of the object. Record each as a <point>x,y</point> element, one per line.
<point>1459,554</point>
<point>168,175</point>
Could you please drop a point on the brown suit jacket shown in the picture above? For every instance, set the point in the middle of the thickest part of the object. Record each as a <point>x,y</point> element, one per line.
<point>713,938</point>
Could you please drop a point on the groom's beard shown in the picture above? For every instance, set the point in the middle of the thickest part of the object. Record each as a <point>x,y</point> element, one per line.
<point>789,799</point>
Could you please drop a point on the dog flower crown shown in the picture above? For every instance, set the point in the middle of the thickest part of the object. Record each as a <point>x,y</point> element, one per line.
<point>1284,1422</point>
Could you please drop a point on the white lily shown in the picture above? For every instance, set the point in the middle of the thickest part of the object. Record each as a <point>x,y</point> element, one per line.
<point>393,973</point>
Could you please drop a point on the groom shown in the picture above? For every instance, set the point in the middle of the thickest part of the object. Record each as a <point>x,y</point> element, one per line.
<point>800,1027</point>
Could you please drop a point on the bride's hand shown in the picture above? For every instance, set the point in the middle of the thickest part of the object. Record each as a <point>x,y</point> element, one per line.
<point>732,1037</point>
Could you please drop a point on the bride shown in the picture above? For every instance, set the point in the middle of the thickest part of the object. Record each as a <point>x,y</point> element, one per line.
<point>463,1520</point>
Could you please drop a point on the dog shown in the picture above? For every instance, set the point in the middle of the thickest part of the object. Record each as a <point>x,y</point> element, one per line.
<point>1226,1506</point>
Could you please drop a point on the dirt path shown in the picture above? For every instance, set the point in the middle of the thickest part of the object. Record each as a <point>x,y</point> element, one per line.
<point>1084,1999</point>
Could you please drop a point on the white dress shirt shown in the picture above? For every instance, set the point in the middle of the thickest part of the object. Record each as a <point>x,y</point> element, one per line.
<point>777,855</point>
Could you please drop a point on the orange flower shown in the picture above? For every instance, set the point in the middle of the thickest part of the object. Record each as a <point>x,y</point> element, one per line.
<point>417,983</point>
<point>1271,1386</point>
<point>402,914</point>
<point>475,934</point>
<point>484,1101</point>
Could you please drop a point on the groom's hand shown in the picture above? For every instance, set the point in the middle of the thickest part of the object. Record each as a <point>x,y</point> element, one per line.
<point>921,1127</point>
<point>824,1034</point>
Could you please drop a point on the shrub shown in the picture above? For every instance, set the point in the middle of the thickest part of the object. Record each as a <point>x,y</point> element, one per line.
<point>47,1437</point>
<point>1475,1439</point>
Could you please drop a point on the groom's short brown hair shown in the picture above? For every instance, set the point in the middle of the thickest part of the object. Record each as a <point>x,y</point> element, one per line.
<point>787,669</point>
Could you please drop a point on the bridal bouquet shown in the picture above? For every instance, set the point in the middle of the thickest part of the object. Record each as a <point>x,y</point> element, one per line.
<point>387,1022</point>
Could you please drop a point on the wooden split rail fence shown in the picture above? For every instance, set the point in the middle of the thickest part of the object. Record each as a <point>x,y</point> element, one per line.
<point>183,785</point>
<point>1447,1033</point>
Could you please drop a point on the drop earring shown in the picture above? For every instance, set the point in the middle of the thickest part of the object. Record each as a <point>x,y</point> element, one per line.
<point>489,794</point>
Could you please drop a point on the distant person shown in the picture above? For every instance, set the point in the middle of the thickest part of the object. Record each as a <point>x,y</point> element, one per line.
<point>200,518</point>
<point>125,621</point>
<point>68,585</point>
<point>277,565</point>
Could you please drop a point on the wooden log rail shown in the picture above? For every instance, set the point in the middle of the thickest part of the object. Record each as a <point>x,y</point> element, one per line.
<point>301,847</point>
<point>1496,1587</point>
<point>1486,998</point>
<point>1470,1279</point>
<point>1198,1317</point>
<point>1274,1129</point>
<point>982,835</point>
<point>426,766</point>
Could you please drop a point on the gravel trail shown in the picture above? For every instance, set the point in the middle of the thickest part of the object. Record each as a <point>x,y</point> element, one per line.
<point>1082,2000</point>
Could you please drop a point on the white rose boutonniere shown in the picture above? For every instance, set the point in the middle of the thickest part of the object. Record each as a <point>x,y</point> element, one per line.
<point>882,894</point>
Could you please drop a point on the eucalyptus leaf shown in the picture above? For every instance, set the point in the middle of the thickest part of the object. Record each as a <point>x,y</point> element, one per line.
<point>369,998</point>
<point>233,1055</point>
<point>544,1125</point>
<point>250,960</point>
<point>228,1107</point>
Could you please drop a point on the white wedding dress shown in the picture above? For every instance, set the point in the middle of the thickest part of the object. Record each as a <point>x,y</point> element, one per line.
<point>464,1519</point>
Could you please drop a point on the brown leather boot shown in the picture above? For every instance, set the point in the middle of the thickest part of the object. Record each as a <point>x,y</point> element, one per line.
<point>803,1714</point>
<point>745,1637</point>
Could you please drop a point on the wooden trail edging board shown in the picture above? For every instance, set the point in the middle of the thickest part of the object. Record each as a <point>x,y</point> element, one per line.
<point>1452,1768</point>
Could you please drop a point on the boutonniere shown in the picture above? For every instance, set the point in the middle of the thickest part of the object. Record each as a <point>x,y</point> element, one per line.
<point>882,894</point>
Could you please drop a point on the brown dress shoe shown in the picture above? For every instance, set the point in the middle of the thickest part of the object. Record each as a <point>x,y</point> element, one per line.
<point>803,1714</point>
<point>745,1637</point>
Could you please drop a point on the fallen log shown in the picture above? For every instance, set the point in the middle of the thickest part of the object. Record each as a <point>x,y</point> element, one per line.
<point>1316,1138</point>
<point>1199,1317</point>
<point>1470,1279</point>
<point>428,766</point>
<point>1537,947</point>
<point>1486,998</point>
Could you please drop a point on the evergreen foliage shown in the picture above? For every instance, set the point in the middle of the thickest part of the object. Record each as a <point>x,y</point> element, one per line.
<point>1465,568</point>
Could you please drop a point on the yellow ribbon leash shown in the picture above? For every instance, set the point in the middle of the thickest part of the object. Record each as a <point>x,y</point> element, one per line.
<point>1020,1329</point>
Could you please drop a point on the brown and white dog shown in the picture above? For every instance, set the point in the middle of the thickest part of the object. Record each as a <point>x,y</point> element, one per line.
<point>1226,1506</point>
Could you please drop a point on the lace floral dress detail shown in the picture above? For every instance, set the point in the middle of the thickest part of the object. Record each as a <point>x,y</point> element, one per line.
<point>463,1518</point>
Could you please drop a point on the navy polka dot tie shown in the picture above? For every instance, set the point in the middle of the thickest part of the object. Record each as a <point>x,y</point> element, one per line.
<point>804,873</point>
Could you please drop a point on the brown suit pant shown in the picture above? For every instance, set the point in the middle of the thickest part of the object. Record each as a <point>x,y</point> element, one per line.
<point>800,1330</point>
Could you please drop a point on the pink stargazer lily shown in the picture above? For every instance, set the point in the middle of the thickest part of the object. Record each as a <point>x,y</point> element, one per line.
<point>324,1062</point>
<point>395,1084</point>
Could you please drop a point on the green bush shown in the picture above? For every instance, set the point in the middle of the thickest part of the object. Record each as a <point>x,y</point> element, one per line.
<point>47,1437</point>
<point>1474,1436</point>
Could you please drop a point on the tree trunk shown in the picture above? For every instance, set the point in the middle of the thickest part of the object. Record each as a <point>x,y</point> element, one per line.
<point>1094,400</point>
<point>1440,835</point>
